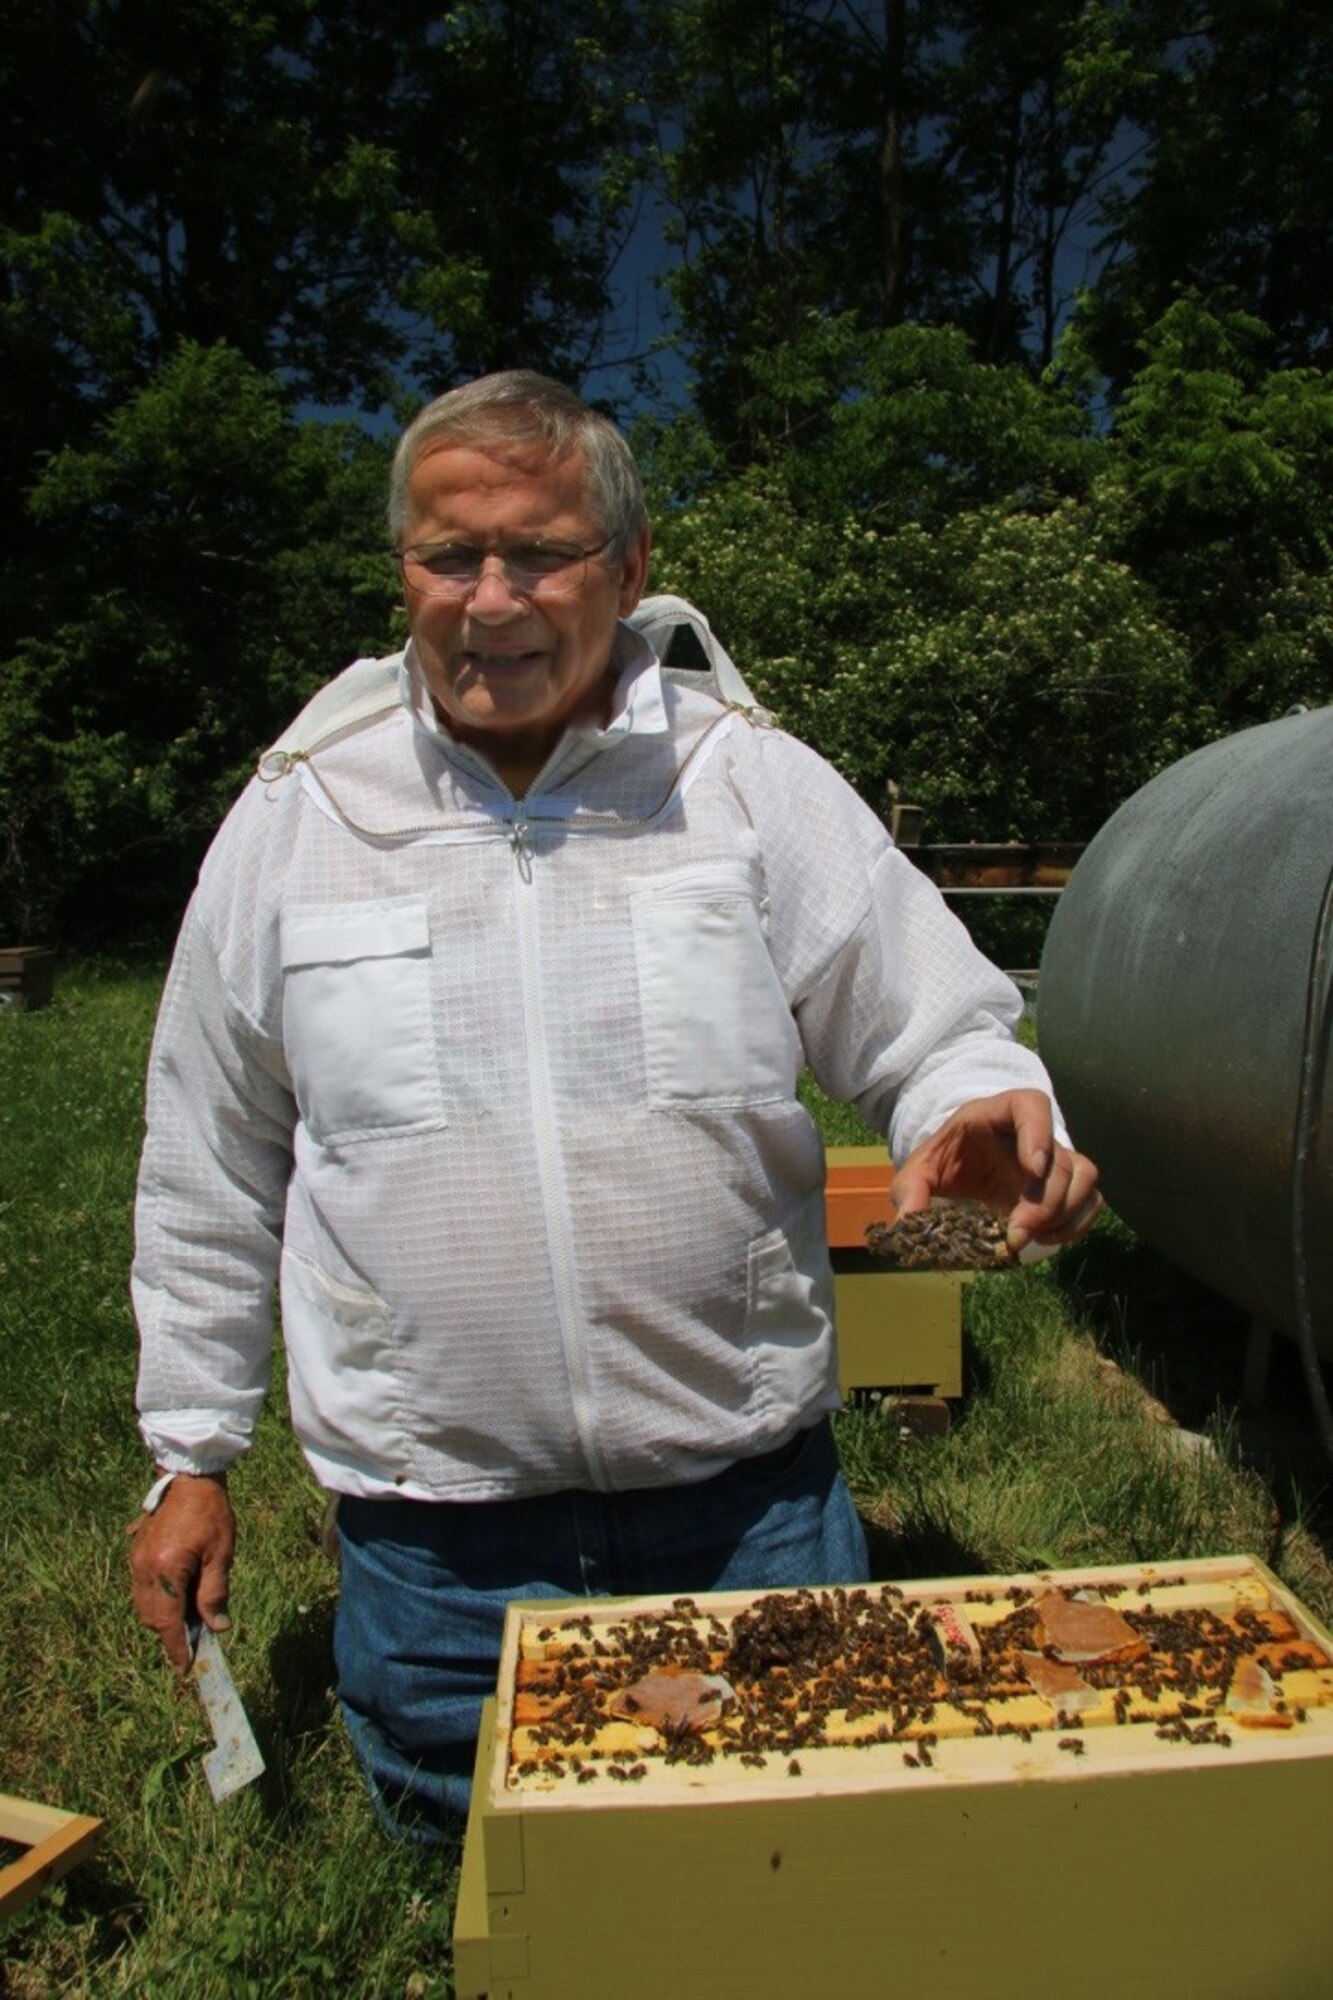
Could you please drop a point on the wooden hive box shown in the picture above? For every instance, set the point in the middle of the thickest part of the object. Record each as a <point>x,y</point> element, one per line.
<point>896,1329</point>
<point>27,977</point>
<point>1166,1836</point>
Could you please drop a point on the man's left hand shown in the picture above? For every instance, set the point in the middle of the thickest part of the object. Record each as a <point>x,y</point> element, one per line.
<point>1002,1150</point>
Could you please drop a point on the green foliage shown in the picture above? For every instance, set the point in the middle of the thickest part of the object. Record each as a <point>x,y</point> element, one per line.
<point>906,425</point>
<point>941,574</point>
<point>1043,690</point>
<point>943,561</point>
<point>909,593</point>
<point>1008,673</point>
<point>59,308</point>
<point>1231,193</point>
<point>1221,496</point>
<point>912,162</point>
<point>1209,432</point>
<point>209,563</point>
<point>220,216</point>
<point>334,192</point>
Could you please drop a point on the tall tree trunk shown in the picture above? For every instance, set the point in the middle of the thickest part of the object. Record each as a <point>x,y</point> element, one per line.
<point>997,339</point>
<point>1051,226</point>
<point>893,206</point>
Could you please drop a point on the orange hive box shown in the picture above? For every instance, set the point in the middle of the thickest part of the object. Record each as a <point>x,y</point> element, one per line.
<point>856,1193</point>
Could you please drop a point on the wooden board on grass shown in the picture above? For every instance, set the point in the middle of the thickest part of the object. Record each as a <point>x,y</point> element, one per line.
<point>55,1841</point>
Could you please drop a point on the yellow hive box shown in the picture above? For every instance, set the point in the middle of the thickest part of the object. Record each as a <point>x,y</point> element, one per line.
<point>1142,1845</point>
<point>896,1329</point>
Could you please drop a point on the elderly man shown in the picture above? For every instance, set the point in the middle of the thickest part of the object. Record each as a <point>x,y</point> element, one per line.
<point>483,1035</point>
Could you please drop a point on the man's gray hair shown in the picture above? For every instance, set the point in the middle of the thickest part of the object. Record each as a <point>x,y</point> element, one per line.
<point>521,411</point>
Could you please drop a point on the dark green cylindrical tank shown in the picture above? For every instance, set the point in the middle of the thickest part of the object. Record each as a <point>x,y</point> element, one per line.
<point>1185,1008</point>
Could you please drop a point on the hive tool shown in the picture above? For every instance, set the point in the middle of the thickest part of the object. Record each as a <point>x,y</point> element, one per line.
<point>235,1760</point>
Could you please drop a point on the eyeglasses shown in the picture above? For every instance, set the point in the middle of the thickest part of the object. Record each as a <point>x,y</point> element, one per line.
<point>531,569</point>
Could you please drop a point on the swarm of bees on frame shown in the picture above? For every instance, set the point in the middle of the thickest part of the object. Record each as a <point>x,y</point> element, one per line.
<point>804,1670</point>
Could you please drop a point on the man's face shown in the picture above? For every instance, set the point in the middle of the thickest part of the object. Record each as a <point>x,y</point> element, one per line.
<point>508,672</point>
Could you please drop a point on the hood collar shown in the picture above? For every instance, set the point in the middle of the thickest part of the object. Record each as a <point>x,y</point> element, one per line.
<point>637,704</point>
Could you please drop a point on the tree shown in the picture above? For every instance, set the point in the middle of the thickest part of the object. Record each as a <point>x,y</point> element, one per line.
<point>218,216</point>
<point>337,193</point>
<point>1220,494</point>
<point>1007,670</point>
<point>222,220</point>
<point>906,424</point>
<point>201,551</point>
<point>930,591</point>
<point>1233,196</point>
<point>919,160</point>
<point>343,196</point>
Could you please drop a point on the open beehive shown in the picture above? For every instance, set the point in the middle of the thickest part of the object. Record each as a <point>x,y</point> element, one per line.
<point>994,1784</point>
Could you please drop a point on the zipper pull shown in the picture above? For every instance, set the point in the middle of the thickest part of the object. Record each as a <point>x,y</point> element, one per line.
<point>276,764</point>
<point>520,842</point>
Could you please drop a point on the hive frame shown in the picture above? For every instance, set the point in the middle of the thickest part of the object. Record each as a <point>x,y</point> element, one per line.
<point>55,1840</point>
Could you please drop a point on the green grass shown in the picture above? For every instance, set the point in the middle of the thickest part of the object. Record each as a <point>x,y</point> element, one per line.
<point>1059,1459</point>
<point>289,1888</point>
<point>1057,1456</point>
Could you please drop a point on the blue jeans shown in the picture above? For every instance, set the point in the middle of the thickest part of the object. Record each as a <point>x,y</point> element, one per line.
<point>425,1585</point>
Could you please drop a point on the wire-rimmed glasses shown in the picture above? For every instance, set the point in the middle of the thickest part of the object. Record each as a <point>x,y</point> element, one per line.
<point>531,569</point>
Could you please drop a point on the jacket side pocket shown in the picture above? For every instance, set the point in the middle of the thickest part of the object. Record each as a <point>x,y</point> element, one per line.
<point>345,1396</point>
<point>789,1318</point>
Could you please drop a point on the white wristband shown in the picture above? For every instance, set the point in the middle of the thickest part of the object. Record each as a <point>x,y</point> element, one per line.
<point>152,1499</point>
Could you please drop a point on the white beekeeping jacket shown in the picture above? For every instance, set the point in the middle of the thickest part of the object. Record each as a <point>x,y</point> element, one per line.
<point>504,1095</point>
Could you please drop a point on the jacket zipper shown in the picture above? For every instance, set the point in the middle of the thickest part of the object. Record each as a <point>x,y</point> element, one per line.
<point>550,1162</point>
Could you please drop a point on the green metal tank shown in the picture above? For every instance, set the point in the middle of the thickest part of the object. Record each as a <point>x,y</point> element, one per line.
<point>1184,1009</point>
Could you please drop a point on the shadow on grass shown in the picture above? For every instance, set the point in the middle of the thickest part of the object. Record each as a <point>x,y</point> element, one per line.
<point>978,1374</point>
<point>299,1705</point>
<point>1188,1348</point>
<point>95,1898</point>
<point>918,1548</point>
<point>301,1668</point>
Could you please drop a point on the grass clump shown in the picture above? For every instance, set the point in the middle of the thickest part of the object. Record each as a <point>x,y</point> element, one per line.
<point>289,1887</point>
<point>1057,1458</point>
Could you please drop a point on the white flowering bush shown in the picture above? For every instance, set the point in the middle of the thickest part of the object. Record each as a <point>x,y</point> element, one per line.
<point>947,574</point>
<point>1006,670</point>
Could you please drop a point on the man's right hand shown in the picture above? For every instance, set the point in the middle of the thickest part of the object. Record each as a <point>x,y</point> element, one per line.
<point>180,1559</point>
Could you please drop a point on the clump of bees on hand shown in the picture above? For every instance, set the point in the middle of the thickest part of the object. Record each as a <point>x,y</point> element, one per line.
<point>945,1236</point>
<point>803,1670</point>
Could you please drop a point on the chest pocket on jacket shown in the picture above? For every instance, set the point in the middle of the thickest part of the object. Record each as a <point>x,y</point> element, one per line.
<point>716,1025</point>
<point>357,1017</point>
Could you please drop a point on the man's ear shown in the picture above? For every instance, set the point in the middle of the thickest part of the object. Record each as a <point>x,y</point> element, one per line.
<point>634,572</point>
